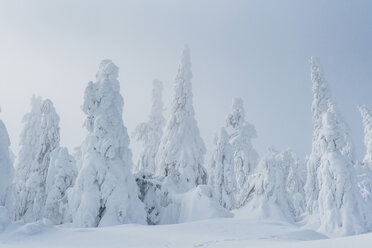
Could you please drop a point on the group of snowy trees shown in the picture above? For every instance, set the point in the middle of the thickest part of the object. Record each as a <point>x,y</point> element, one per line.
<point>170,182</point>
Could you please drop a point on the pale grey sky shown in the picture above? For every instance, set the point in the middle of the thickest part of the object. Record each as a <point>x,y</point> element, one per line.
<point>257,50</point>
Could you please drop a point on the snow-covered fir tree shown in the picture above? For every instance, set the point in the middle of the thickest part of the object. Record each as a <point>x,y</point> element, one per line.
<point>61,176</point>
<point>245,156</point>
<point>276,189</point>
<point>365,168</point>
<point>39,138</point>
<point>332,194</point>
<point>150,132</point>
<point>6,168</point>
<point>105,192</point>
<point>181,152</point>
<point>221,176</point>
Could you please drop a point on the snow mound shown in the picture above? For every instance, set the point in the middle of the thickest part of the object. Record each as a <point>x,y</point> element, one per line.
<point>199,204</point>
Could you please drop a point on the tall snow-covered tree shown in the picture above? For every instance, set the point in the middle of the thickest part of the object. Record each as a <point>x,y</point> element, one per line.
<point>276,187</point>
<point>150,132</point>
<point>39,138</point>
<point>61,176</point>
<point>332,194</point>
<point>181,152</point>
<point>105,192</point>
<point>221,176</point>
<point>6,167</point>
<point>367,123</point>
<point>245,156</point>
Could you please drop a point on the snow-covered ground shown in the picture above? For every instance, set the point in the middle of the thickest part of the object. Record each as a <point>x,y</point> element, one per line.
<point>222,232</point>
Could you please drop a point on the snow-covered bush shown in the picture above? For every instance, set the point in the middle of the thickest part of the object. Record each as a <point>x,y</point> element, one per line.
<point>245,156</point>
<point>150,132</point>
<point>61,176</point>
<point>181,152</point>
<point>6,168</point>
<point>105,192</point>
<point>221,176</point>
<point>333,198</point>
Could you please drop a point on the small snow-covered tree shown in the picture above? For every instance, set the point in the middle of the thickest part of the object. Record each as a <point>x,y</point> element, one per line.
<point>6,167</point>
<point>181,152</point>
<point>245,156</point>
<point>105,192</point>
<point>61,176</point>
<point>332,194</point>
<point>276,187</point>
<point>222,177</point>
<point>150,132</point>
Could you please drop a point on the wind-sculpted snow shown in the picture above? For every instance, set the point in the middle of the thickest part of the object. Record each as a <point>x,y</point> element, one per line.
<point>105,192</point>
<point>6,168</point>
<point>150,132</point>
<point>181,152</point>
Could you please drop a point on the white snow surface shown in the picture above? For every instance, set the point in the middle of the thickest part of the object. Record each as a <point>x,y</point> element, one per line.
<point>219,232</point>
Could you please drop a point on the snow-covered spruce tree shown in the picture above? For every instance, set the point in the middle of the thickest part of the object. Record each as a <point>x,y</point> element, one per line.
<point>39,138</point>
<point>221,176</point>
<point>6,167</point>
<point>105,192</point>
<point>277,187</point>
<point>365,168</point>
<point>331,188</point>
<point>181,152</point>
<point>150,132</point>
<point>61,176</point>
<point>245,156</point>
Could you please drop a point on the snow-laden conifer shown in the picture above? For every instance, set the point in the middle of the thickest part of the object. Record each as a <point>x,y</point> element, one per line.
<point>39,138</point>
<point>222,177</point>
<point>150,132</point>
<point>6,168</point>
<point>331,188</point>
<point>181,152</point>
<point>105,192</point>
<point>245,156</point>
<point>61,176</point>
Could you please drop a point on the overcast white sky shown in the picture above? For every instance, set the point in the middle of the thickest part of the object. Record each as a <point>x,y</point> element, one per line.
<point>257,50</point>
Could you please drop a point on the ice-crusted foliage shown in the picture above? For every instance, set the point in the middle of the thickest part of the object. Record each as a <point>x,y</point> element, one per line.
<point>181,152</point>
<point>150,132</point>
<point>245,156</point>
<point>331,190</point>
<point>276,189</point>
<point>39,138</point>
<point>221,176</point>
<point>61,176</point>
<point>105,192</point>
<point>6,168</point>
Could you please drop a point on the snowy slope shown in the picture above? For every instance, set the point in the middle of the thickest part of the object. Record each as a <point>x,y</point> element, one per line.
<point>224,232</point>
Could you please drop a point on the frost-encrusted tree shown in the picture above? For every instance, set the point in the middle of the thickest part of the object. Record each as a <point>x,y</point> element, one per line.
<point>6,167</point>
<point>222,177</point>
<point>61,176</point>
<point>365,168</point>
<point>332,194</point>
<point>277,187</point>
<point>150,132</point>
<point>245,156</point>
<point>39,138</point>
<point>105,192</point>
<point>181,152</point>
